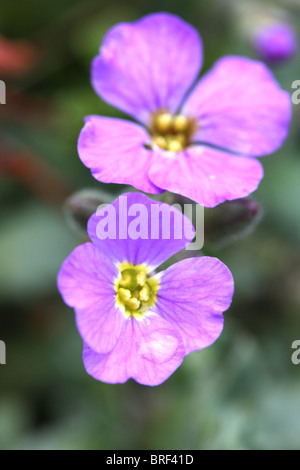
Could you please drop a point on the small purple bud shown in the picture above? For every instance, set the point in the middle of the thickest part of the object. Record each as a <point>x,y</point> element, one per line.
<point>276,42</point>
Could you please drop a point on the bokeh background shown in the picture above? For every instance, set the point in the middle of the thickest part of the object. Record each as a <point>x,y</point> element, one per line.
<point>240,393</point>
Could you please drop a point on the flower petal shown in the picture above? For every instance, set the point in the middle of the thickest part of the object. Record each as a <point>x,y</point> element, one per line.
<point>207,175</point>
<point>114,151</point>
<point>193,295</point>
<point>86,283</point>
<point>240,107</point>
<point>148,351</point>
<point>140,230</point>
<point>147,65</point>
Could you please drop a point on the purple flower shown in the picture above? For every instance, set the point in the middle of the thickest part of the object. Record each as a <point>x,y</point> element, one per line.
<point>198,142</point>
<point>136,322</point>
<point>276,42</point>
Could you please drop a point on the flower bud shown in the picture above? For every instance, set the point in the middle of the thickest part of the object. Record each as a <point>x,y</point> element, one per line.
<point>267,29</point>
<point>79,207</point>
<point>275,42</point>
<point>230,221</point>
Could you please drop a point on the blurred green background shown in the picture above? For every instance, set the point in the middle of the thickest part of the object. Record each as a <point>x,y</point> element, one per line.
<point>240,393</point>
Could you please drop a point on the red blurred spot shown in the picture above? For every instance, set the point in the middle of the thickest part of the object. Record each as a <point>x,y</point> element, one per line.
<point>16,57</point>
<point>35,174</point>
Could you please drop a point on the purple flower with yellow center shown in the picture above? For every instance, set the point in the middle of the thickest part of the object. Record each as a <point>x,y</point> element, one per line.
<point>137,322</point>
<point>275,42</point>
<point>199,142</point>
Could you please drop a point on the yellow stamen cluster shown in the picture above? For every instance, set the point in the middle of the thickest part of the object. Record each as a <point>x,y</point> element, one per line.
<point>171,133</point>
<point>136,292</point>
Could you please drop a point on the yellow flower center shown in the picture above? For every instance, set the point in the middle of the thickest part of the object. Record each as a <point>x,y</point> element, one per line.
<point>171,132</point>
<point>135,290</point>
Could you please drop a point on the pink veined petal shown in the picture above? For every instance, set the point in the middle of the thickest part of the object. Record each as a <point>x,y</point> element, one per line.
<point>140,230</point>
<point>148,351</point>
<point>114,151</point>
<point>206,175</point>
<point>147,65</point>
<point>86,283</point>
<point>240,107</point>
<point>193,295</point>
